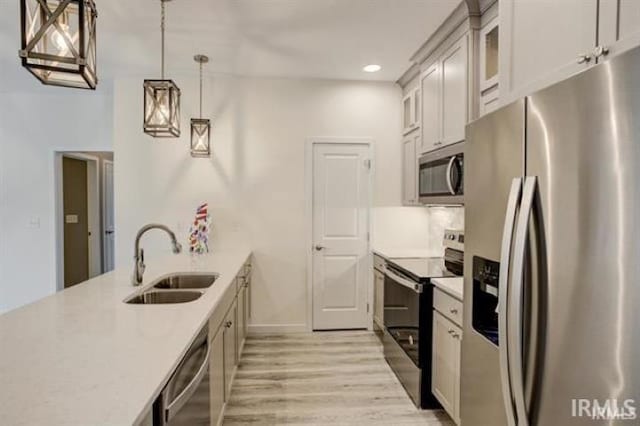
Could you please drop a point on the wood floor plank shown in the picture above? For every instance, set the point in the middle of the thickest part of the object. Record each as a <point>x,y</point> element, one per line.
<point>328,378</point>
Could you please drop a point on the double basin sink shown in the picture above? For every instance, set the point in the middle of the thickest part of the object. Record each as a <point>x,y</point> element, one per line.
<point>175,288</point>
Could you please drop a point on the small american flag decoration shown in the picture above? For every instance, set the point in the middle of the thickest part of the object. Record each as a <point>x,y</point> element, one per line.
<point>199,230</point>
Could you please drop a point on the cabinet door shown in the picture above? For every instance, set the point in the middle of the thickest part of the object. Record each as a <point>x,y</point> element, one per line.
<point>457,355</point>
<point>242,321</point>
<point>445,383</point>
<point>409,171</point>
<point>430,117</point>
<point>619,25</point>
<point>454,92</point>
<point>417,103</point>
<point>378,303</point>
<point>230,336</point>
<point>216,370</point>
<point>540,42</point>
<point>407,113</point>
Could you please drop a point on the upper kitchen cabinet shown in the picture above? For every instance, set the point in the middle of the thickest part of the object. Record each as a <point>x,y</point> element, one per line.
<point>430,93</point>
<point>618,27</point>
<point>543,42</point>
<point>410,169</point>
<point>489,64</point>
<point>444,89</point>
<point>454,92</point>
<point>411,110</point>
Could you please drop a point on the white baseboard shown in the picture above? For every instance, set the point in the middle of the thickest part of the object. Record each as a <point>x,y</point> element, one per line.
<point>278,328</point>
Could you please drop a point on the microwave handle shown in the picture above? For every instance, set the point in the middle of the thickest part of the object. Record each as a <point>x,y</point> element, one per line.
<point>449,168</point>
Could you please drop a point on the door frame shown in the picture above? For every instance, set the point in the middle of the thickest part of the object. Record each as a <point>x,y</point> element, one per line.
<point>93,185</point>
<point>103,209</point>
<point>308,190</point>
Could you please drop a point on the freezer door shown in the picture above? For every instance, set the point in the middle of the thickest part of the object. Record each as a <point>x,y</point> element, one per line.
<point>494,156</point>
<point>583,145</point>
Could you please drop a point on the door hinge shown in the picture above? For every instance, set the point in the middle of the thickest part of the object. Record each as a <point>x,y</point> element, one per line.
<point>367,308</point>
<point>367,164</point>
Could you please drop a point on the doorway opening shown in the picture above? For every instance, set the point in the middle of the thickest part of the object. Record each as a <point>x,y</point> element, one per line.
<point>84,216</point>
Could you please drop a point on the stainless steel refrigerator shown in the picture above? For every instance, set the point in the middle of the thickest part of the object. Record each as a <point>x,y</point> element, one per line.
<point>552,255</point>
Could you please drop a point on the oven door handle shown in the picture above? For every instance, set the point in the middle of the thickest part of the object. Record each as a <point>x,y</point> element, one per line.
<point>403,281</point>
<point>449,168</point>
<point>176,405</point>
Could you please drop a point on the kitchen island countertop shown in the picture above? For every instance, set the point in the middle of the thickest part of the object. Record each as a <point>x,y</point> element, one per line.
<point>84,357</point>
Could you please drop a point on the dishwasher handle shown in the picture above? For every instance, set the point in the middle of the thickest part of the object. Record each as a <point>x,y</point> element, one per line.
<point>176,405</point>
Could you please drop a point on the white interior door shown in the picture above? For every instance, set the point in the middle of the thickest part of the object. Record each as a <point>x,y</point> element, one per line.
<point>109,228</point>
<point>341,191</point>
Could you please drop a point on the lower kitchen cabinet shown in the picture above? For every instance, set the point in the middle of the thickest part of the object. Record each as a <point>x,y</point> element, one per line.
<point>230,348</point>
<point>378,296</point>
<point>228,330</point>
<point>243,313</point>
<point>445,382</point>
<point>216,383</point>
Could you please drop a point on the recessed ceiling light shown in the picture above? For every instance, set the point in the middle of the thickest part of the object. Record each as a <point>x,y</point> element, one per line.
<point>372,68</point>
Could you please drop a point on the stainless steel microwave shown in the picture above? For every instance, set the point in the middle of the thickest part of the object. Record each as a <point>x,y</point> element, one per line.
<point>441,176</point>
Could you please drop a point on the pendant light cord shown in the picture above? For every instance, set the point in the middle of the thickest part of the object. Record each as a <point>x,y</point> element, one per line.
<point>201,89</point>
<point>162,18</point>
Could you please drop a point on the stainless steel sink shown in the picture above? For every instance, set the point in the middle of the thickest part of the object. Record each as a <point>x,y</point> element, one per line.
<point>164,297</point>
<point>179,281</point>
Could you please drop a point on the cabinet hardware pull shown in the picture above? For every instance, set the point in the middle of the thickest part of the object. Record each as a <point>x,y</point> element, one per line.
<point>451,331</point>
<point>600,51</point>
<point>584,59</point>
<point>453,311</point>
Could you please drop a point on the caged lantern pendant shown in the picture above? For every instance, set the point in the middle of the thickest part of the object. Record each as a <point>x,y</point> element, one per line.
<point>58,41</point>
<point>162,99</point>
<point>200,127</point>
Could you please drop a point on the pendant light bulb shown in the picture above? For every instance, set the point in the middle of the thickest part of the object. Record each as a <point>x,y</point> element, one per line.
<point>58,38</point>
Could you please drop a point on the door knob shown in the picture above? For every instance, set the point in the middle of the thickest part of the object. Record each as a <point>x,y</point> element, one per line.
<point>319,247</point>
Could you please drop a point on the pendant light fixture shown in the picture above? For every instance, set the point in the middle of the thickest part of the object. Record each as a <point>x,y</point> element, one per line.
<point>200,127</point>
<point>59,41</point>
<point>162,98</point>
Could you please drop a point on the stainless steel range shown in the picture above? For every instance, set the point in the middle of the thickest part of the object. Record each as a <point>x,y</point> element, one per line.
<point>408,304</point>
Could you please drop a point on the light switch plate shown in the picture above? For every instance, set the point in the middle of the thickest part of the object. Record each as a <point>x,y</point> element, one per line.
<point>71,218</point>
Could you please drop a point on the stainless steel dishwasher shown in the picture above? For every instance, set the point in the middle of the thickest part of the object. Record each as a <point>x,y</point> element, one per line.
<point>185,400</point>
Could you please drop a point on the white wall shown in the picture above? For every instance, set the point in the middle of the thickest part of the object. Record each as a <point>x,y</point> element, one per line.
<point>32,126</point>
<point>254,181</point>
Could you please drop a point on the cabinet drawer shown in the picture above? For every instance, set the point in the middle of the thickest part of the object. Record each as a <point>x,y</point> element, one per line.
<point>378,262</point>
<point>448,306</point>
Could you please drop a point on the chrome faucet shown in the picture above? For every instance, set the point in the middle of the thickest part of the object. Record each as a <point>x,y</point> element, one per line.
<point>139,267</point>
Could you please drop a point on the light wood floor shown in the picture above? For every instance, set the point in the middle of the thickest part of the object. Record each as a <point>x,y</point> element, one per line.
<point>328,378</point>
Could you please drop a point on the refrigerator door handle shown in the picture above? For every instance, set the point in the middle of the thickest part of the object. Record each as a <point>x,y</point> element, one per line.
<point>503,285</point>
<point>515,321</point>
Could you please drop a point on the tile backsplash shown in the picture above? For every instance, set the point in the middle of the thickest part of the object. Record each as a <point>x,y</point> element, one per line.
<point>441,218</point>
<point>419,228</point>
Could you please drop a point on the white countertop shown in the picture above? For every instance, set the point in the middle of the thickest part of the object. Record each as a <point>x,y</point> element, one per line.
<point>83,357</point>
<point>399,252</point>
<point>451,285</point>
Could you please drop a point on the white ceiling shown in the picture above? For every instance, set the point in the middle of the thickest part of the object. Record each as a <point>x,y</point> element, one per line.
<point>287,38</point>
